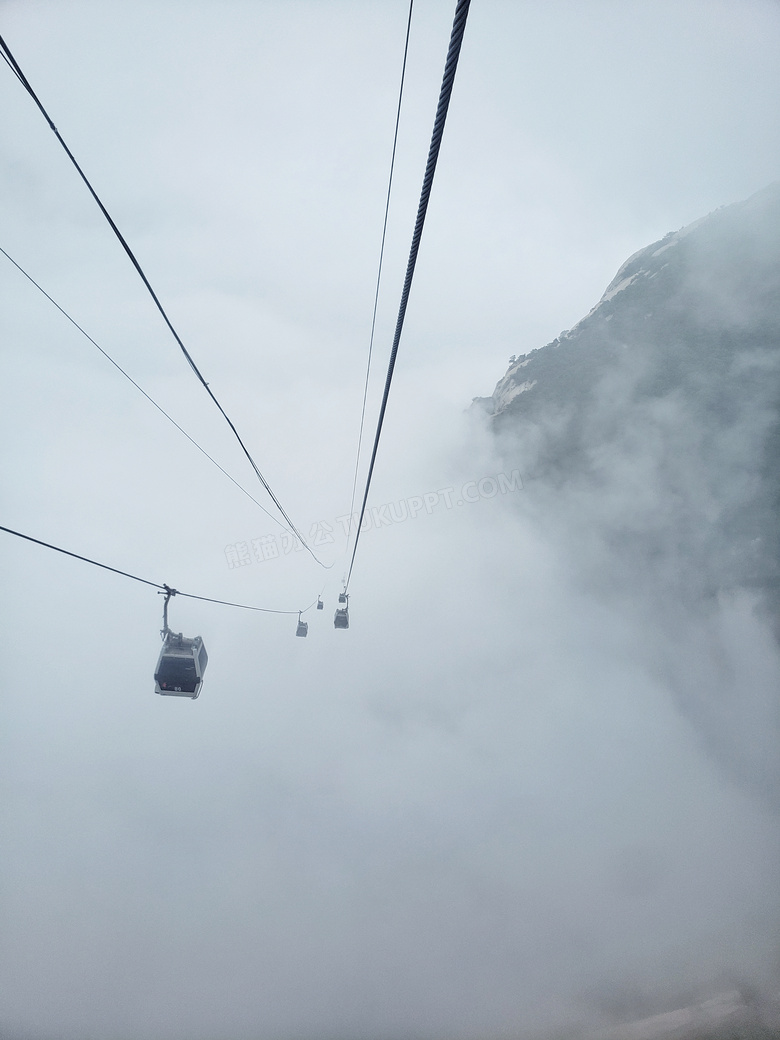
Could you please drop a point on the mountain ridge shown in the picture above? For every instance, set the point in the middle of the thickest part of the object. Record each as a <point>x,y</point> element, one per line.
<point>648,441</point>
<point>666,395</point>
<point>727,221</point>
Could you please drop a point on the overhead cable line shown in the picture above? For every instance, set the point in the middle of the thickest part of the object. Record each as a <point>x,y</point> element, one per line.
<point>14,65</point>
<point>450,66</point>
<point>139,388</point>
<point>379,272</point>
<point>155,585</point>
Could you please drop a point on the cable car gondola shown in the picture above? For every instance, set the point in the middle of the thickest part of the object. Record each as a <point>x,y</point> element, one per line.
<point>303,627</point>
<point>180,667</point>
<point>182,661</point>
<point>341,617</point>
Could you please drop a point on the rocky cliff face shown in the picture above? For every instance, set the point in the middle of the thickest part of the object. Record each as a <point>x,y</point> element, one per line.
<point>660,409</point>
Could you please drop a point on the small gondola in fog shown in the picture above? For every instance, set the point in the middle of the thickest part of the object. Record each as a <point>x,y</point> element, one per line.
<point>303,627</point>
<point>182,661</point>
<point>341,617</point>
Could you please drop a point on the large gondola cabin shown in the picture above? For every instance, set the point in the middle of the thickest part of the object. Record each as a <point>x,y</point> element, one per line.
<point>180,668</point>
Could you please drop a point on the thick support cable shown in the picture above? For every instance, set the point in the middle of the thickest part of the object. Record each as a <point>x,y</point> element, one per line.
<point>450,67</point>
<point>379,271</point>
<point>11,61</point>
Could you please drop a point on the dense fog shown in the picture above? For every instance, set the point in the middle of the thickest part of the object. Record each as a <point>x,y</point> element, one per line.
<point>533,789</point>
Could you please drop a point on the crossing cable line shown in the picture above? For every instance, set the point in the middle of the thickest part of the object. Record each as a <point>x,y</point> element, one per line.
<point>14,65</point>
<point>154,584</point>
<point>450,67</point>
<point>136,385</point>
<point>379,274</point>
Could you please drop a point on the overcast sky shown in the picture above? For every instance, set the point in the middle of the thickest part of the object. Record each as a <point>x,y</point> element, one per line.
<point>479,811</point>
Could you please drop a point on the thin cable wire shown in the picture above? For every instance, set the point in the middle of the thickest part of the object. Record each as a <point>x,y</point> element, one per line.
<point>155,585</point>
<point>116,365</point>
<point>450,66</point>
<point>243,606</point>
<point>11,61</point>
<point>379,276</point>
<point>67,552</point>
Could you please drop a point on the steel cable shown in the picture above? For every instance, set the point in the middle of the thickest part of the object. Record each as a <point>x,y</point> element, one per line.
<point>450,66</point>
<point>127,376</point>
<point>155,585</point>
<point>14,65</point>
<point>379,274</point>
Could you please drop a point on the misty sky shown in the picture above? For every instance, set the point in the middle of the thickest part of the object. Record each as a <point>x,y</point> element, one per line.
<point>480,811</point>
